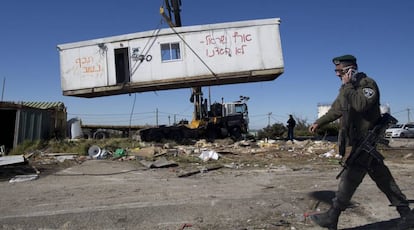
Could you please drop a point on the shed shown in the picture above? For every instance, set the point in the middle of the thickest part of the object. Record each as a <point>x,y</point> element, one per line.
<point>31,121</point>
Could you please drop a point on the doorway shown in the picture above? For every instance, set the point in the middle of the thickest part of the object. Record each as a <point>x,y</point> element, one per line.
<point>122,66</point>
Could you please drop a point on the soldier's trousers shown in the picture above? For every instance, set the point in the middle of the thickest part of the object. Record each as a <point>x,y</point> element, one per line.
<point>353,175</point>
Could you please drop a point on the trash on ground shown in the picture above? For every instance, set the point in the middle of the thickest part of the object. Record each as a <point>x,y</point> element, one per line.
<point>23,178</point>
<point>209,154</point>
<point>330,153</point>
<point>159,163</point>
<point>119,153</point>
<point>200,170</point>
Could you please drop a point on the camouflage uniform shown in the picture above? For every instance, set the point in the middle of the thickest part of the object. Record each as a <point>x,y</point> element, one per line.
<point>358,107</point>
<point>360,100</point>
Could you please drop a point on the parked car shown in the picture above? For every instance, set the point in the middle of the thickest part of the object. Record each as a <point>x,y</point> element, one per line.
<point>400,130</point>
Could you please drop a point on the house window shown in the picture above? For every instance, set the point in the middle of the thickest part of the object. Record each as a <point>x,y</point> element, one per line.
<point>170,51</point>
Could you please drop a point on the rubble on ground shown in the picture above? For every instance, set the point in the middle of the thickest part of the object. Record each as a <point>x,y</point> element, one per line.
<point>194,158</point>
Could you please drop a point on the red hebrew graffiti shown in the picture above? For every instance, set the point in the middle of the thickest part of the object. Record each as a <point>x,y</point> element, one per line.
<point>241,38</point>
<point>210,40</point>
<point>226,44</point>
<point>87,65</point>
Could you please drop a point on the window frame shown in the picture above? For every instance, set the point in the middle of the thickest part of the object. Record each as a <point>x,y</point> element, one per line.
<point>174,53</point>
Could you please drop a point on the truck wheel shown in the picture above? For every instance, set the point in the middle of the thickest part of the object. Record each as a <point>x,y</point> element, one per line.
<point>211,133</point>
<point>224,132</point>
<point>235,133</point>
<point>100,135</point>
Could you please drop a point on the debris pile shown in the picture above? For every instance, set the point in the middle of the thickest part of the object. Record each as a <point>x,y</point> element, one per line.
<point>200,157</point>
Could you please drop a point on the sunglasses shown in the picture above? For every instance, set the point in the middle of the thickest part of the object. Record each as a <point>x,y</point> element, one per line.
<point>343,70</point>
<point>340,71</point>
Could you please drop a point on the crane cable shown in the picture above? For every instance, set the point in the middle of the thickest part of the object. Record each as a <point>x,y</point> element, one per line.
<point>134,68</point>
<point>182,39</point>
<point>145,51</point>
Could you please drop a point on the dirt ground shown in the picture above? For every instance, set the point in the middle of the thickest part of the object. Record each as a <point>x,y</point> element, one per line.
<point>274,186</point>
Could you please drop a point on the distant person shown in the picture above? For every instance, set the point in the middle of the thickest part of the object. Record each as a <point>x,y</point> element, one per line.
<point>291,123</point>
<point>204,108</point>
<point>358,106</point>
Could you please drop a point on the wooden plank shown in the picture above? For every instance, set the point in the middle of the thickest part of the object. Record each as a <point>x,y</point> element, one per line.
<point>195,171</point>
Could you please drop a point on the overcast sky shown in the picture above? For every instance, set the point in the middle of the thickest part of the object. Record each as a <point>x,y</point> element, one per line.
<point>379,33</point>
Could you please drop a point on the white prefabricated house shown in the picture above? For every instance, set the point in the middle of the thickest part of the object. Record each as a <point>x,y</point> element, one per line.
<point>172,58</point>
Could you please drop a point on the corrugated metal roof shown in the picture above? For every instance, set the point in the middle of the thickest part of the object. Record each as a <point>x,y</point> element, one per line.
<point>43,105</point>
<point>36,105</point>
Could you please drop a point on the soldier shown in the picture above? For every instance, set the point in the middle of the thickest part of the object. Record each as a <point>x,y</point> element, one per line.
<point>358,106</point>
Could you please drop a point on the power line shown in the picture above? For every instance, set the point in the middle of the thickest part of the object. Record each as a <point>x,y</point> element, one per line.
<point>107,114</point>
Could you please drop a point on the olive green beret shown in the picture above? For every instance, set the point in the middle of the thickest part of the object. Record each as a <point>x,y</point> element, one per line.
<point>345,58</point>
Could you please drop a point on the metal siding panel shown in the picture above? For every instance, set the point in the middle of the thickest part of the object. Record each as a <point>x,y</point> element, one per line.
<point>45,125</point>
<point>30,126</point>
<point>20,134</point>
<point>16,134</point>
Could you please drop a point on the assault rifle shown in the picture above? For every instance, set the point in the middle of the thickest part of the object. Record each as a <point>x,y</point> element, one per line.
<point>369,143</point>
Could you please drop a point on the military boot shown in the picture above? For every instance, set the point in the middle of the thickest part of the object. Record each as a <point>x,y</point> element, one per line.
<point>407,218</point>
<point>328,219</point>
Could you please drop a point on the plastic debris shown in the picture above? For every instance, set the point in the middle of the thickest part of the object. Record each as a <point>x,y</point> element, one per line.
<point>209,154</point>
<point>119,153</point>
<point>330,153</point>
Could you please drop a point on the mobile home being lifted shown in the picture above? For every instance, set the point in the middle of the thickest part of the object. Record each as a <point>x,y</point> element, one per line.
<point>178,57</point>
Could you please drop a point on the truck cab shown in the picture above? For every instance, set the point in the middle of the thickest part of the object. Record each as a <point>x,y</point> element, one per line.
<point>237,108</point>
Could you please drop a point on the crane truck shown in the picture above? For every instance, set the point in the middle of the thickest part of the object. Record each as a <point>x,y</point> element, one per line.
<point>174,58</point>
<point>214,121</point>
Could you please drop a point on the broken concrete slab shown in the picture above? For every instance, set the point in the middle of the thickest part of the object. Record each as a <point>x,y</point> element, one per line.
<point>8,160</point>
<point>159,163</point>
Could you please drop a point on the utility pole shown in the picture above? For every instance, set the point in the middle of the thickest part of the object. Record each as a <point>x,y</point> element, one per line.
<point>2,91</point>
<point>156,117</point>
<point>408,114</point>
<point>268,118</point>
<point>173,6</point>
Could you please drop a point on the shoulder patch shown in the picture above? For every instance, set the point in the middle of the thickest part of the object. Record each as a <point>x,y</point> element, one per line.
<point>368,92</point>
